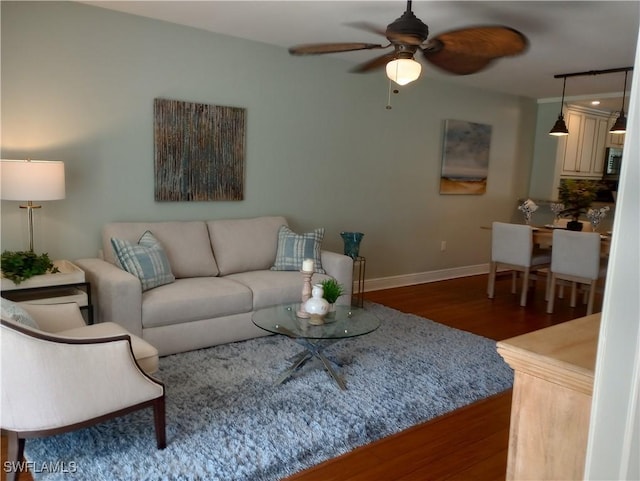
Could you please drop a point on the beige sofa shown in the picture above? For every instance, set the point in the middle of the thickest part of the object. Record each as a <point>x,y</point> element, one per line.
<point>222,274</point>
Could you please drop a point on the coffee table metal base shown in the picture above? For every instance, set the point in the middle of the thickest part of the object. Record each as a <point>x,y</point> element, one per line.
<point>312,351</point>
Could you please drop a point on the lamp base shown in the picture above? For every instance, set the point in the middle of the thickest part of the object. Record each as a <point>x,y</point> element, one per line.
<point>30,206</point>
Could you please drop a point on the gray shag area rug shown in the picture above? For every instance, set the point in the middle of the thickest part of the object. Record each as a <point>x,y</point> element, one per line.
<point>226,420</point>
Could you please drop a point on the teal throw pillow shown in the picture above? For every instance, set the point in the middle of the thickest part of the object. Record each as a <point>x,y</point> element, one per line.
<point>294,248</point>
<point>146,260</point>
<point>12,311</point>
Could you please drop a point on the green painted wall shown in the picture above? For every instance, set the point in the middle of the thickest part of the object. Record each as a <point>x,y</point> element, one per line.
<point>542,177</point>
<point>78,84</point>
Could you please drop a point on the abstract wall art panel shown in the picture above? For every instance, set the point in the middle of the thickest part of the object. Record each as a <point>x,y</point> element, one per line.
<point>199,151</point>
<point>465,157</point>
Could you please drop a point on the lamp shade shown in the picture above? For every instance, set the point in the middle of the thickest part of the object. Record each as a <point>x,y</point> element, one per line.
<point>559,128</point>
<point>403,70</point>
<point>620,127</point>
<point>26,180</point>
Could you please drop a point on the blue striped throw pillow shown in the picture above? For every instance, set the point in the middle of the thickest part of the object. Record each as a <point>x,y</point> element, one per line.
<point>146,260</point>
<point>294,248</point>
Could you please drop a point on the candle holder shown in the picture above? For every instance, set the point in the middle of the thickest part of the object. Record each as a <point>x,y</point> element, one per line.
<point>306,294</point>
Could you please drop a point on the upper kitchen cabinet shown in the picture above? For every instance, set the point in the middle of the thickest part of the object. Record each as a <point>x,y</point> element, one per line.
<point>582,152</point>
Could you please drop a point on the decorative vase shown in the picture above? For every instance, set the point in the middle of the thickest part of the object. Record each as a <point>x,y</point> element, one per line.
<point>352,243</point>
<point>575,225</point>
<point>316,306</point>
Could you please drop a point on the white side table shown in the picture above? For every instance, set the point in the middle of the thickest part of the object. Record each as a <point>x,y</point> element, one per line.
<point>68,285</point>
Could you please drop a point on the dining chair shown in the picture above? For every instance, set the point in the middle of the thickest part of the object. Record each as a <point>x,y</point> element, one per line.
<point>576,257</point>
<point>512,247</point>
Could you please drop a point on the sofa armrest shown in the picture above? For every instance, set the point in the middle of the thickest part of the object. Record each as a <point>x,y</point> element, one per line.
<point>55,317</point>
<point>117,294</point>
<point>340,267</point>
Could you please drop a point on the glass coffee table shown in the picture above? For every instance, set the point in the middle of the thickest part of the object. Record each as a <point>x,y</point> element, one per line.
<point>345,322</point>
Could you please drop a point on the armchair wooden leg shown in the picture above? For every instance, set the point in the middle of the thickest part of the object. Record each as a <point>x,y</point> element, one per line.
<point>159,421</point>
<point>15,454</point>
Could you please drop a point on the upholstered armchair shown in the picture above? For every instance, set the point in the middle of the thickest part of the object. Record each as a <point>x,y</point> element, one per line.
<point>55,382</point>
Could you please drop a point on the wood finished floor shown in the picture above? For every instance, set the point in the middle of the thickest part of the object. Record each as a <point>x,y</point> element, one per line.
<point>469,444</point>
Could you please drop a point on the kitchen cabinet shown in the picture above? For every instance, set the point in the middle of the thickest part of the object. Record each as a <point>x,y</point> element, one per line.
<point>581,153</point>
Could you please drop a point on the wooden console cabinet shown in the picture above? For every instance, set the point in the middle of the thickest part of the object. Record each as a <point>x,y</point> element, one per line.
<point>551,404</point>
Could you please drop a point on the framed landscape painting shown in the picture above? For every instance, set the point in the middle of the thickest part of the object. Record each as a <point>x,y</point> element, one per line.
<point>465,157</point>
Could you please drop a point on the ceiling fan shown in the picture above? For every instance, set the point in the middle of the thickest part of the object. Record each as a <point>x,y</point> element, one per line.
<point>462,52</point>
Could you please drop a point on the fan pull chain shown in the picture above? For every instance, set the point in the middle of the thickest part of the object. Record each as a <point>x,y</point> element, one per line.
<point>395,91</point>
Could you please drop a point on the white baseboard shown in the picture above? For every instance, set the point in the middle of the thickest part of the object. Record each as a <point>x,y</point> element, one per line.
<point>423,277</point>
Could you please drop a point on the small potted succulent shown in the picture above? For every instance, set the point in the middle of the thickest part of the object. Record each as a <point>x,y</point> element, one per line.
<point>19,266</point>
<point>577,195</point>
<point>332,290</point>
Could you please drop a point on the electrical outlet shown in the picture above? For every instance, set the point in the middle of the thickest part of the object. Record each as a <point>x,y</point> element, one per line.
<point>443,246</point>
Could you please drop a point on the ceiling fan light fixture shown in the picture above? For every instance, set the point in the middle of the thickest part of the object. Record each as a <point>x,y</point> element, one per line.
<point>403,70</point>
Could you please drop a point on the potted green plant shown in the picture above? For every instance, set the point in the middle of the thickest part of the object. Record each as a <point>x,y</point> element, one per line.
<point>19,266</point>
<point>332,289</point>
<point>577,195</point>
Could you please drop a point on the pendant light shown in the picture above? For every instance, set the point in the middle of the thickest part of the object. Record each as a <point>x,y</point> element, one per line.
<point>560,128</point>
<point>620,127</point>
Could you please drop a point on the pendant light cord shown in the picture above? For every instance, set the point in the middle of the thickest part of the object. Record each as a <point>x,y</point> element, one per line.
<point>624,91</point>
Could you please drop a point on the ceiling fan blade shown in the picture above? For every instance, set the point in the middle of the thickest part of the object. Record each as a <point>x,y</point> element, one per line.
<point>368,27</point>
<point>375,63</point>
<point>486,41</point>
<point>471,50</point>
<point>457,63</point>
<point>320,48</point>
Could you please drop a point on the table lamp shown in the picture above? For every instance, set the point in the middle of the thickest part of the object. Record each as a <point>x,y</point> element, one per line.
<point>31,180</point>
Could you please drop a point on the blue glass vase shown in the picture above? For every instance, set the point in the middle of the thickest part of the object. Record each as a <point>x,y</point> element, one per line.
<point>352,243</point>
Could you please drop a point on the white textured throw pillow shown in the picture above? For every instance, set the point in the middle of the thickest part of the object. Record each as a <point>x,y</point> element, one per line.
<point>13,311</point>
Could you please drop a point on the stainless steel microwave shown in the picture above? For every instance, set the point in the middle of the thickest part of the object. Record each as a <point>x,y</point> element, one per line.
<point>612,163</point>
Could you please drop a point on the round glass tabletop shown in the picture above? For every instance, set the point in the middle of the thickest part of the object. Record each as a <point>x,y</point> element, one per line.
<point>346,321</point>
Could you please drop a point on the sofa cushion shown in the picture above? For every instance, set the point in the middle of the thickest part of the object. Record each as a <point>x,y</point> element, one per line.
<point>12,311</point>
<point>294,248</point>
<point>194,299</point>
<point>186,244</point>
<point>273,287</point>
<point>146,260</point>
<point>241,245</point>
